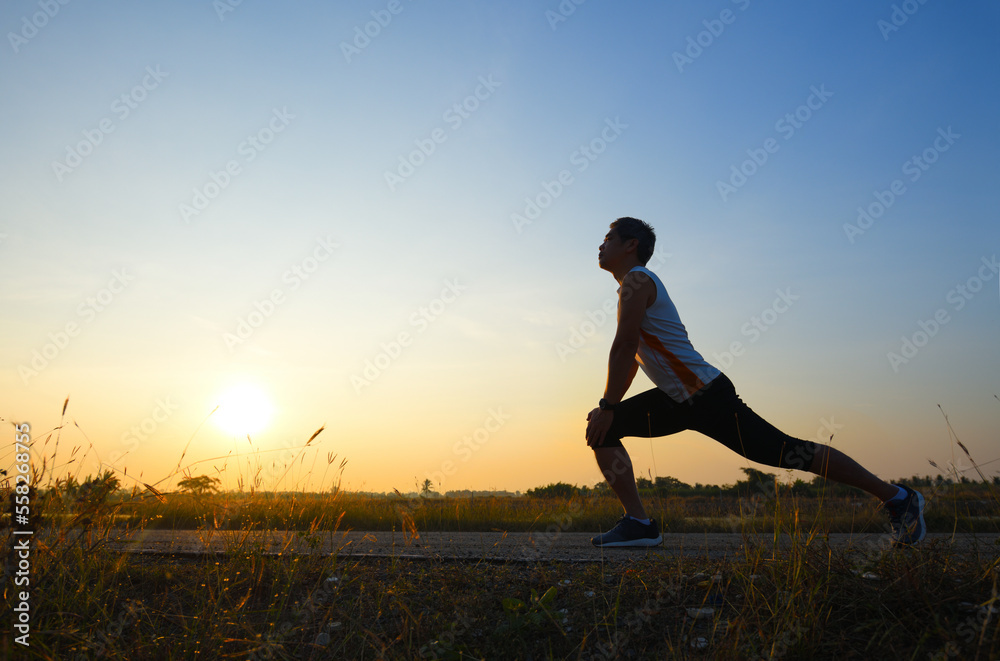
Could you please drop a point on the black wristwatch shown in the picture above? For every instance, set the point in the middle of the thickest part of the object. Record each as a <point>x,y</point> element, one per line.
<point>605,405</point>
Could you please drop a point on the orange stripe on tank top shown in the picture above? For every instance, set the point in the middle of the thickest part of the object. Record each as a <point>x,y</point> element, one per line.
<point>683,372</point>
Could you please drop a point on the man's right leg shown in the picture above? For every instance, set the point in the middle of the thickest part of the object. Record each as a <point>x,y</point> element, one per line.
<point>616,466</point>
<point>647,414</point>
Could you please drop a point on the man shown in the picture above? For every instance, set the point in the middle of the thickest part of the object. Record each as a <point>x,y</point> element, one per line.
<point>692,394</point>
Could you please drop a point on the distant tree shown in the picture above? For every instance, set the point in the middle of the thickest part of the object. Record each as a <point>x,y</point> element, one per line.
<point>557,490</point>
<point>65,488</point>
<point>666,484</point>
<point>95,490</point>
<point>427,488</point>
<point>200,485</point>
<point>802,488</point>
<point>755,476</point>
<point>643,483</point>
<point>88,500</point>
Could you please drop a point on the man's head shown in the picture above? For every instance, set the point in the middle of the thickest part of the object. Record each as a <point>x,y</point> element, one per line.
<point>632,228</point>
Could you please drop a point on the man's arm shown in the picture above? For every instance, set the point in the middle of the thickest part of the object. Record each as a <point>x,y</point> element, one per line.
<point>637,293</point>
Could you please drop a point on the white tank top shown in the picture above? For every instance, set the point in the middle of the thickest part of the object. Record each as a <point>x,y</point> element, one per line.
<point>665,353</point>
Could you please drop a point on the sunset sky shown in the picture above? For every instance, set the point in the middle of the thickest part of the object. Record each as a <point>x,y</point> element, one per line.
<point>383,217</point>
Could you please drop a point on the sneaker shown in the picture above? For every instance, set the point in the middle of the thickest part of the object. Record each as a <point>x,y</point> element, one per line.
<point>906,516</point>
<point>629,532</point>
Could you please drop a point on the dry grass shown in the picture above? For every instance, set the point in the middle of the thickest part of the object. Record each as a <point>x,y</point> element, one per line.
<point>806,601</point>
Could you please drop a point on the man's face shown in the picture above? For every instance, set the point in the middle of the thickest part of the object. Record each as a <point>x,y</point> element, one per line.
<point>611,251</point>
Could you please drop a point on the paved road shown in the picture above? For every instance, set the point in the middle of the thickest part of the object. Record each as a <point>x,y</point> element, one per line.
<point>508,547</point>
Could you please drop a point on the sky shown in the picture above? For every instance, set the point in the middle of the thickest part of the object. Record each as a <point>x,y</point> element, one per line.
<point>228,224</point>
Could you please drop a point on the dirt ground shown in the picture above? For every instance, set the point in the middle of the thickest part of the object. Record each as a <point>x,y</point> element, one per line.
<point>511,547</point>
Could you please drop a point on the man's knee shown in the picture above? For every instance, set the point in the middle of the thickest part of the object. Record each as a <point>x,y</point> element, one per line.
<point>799,455</point>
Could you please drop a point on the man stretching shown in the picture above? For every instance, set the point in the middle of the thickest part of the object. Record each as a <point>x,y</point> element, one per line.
<point>692,394</point>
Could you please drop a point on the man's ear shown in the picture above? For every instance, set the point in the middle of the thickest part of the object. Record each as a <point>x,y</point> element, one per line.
<point>632,245</point>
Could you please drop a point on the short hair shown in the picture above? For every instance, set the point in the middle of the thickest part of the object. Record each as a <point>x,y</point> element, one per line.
<point>633,228</point>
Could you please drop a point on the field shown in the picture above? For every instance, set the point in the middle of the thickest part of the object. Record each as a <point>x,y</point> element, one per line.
<point>805,600</point>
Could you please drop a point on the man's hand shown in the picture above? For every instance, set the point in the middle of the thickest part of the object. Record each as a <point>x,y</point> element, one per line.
<point>598,424</point>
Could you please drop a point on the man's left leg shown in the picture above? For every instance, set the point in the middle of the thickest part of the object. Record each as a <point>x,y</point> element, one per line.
<point>722,415</point>
<point>904,505</point>
<point>834,465</point>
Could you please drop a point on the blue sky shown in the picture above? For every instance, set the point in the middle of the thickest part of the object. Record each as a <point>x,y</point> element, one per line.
<point>119,296</point>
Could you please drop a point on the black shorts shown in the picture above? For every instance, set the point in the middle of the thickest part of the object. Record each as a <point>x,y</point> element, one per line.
<point>716,411</point>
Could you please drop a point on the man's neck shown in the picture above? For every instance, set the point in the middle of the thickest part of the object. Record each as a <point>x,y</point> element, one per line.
<point>624,269</point>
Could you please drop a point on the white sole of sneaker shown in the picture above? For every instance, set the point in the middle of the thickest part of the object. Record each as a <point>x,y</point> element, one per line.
<point>920,509</point>
<point>923,526</point>
<point>654,541</point>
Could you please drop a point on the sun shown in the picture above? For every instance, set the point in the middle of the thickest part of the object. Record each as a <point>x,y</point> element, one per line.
<point>243,409</point>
